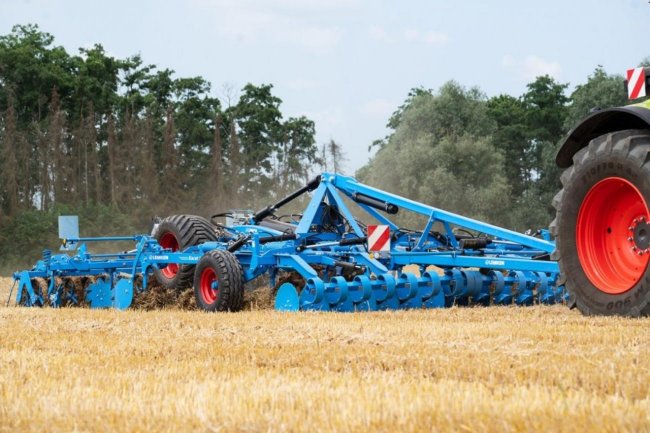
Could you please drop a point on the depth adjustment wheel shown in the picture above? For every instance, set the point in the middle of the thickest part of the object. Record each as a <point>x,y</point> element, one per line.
<point>177,233</point>
<point>219,282</point>
<point>602,225</point>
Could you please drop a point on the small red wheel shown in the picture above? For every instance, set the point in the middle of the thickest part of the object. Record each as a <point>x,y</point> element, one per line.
<point>208,286</point>
<point>219,282</point>
<point>611,235</point>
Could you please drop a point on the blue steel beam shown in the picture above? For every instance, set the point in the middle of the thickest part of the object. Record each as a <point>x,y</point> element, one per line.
<point>350,186</point>
<point>512,251</point>
<point>461,261</point>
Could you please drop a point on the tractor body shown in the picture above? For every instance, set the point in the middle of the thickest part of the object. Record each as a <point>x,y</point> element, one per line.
<point>601,226</point>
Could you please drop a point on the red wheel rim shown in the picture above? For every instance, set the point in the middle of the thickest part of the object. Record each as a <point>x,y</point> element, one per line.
<point>208,292</point>
<point>605,229</point>
<point>169,241</point>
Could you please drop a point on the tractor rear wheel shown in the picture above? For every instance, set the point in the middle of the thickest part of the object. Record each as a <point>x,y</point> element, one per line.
<point>177,233</point>
<point>602,225</point>
<point>219,282</point>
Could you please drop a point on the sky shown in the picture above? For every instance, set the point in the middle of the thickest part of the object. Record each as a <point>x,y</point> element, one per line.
<point>348,64</point>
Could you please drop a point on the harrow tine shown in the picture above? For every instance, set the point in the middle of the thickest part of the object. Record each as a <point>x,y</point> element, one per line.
<point>11,292</point>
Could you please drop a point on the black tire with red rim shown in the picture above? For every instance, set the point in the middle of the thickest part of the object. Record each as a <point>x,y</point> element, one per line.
<point>602,225</point>
<point>177,233</point>
<point>219,282</point>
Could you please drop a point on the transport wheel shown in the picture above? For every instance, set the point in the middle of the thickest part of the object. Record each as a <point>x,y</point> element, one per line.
<point>177,233</point>
<point>602,225</point>
<point>219,282</point>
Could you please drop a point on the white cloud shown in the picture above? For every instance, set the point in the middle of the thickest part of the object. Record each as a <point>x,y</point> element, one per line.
<point>507,61</point>
<point>378,108</point>
<point>316,5</point>
<point>531,67</point>
<point>251,21</point>
<point>327,120</point>
<point>302,84</point>
<point>313,38</point>
<point>430,37</point>
<point>436,38</point>
<point>378,33</point>
<point>535,66</point>
<point>411,35</point>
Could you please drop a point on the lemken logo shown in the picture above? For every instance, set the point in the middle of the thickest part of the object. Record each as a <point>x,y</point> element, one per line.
<point>159,257</point>
<point>495,262</point>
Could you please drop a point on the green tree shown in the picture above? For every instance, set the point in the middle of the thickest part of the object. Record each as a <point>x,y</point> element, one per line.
<point>601,91</point>
<point>135,77</point>
<point>97,135</point>
<point>297,152</point>
<point>332,156</point>
<point>440,154</point>
<point>259,121</point>
<point>453,110</point>
<point>8,176</point>
<point>97,80</point>
<point>416,92</point>
<point>264,148</point>
<point>31,67</point>
<point>546,108</point>
<point>511,139</point>
<point>195,111</point>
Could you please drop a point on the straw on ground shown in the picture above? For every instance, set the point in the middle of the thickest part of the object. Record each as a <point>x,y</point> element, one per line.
<point>461,369</point>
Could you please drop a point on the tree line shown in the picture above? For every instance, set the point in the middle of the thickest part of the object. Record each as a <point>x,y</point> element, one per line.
<point>117,140</point>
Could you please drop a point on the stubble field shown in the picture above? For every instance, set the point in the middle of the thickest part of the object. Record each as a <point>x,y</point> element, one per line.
<point>461,369</point>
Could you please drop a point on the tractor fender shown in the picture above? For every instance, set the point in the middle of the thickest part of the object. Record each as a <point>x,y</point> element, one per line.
<point>599,123</point>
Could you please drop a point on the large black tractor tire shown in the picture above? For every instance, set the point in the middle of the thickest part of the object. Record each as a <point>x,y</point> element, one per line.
<point>179,232</point>
<point>602,225</point>
<point>223,268</point>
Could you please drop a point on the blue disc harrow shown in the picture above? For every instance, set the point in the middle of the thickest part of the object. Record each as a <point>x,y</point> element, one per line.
<point>340,260</point>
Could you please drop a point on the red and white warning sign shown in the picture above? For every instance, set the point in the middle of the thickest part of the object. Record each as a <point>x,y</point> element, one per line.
<point>378,238</point>
<point>635,83</point>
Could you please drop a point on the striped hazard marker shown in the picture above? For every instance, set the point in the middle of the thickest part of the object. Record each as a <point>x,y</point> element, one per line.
<point>635,83</point>
<point>378,238</point>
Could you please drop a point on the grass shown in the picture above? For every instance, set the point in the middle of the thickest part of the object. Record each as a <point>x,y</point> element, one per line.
<point>496,369</point>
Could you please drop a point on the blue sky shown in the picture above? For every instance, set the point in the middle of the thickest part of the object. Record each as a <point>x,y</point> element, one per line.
<point>347,64</point>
